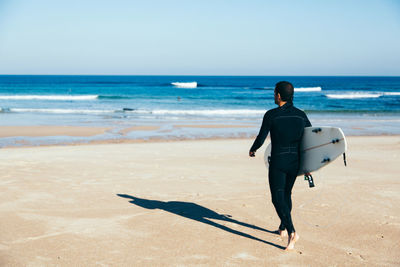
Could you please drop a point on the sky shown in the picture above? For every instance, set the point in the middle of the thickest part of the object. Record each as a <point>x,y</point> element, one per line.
<point>207,37</point>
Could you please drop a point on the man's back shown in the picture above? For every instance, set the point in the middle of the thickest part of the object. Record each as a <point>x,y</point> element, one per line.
<point>286,125</point>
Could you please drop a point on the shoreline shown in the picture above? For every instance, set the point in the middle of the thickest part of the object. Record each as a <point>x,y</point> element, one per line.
<point>163,140</point>
<point>71,130</point>
<point>74,135</point>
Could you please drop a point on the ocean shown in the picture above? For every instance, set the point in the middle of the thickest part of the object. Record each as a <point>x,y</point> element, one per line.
<point>359,105</point>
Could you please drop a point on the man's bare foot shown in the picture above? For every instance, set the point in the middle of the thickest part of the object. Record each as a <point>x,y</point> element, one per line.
<point>282,233</point>
<point>292,239</point>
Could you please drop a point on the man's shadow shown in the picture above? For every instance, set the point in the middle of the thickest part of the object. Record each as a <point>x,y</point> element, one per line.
<point>198,213</point>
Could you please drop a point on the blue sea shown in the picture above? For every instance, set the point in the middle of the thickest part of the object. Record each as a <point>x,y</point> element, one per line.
<point>359,105</point>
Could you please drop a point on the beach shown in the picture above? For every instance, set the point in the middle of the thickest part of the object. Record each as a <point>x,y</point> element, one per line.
<point>126,130</point>
<point>193,202</point>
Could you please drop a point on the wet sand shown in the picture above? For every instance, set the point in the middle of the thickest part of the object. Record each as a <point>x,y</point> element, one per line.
<point>215,126</point>
<point>39,131</point>
<point>139,128</point>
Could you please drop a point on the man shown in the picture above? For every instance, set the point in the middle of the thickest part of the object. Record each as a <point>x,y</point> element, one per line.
<point>286,124</point>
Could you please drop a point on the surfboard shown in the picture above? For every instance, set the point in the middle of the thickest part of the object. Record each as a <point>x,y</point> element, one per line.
<point>319,147</point>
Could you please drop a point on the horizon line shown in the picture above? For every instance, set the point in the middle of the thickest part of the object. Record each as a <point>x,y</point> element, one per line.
<point>204,75</point>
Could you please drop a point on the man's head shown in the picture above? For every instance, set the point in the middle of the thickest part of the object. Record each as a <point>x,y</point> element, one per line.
<point>283,92</point>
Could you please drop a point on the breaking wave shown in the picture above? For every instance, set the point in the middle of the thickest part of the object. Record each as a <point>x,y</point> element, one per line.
<point>353,95</point>
<point>185,84</point>
<point>308,89</point>
<point>391,93</point>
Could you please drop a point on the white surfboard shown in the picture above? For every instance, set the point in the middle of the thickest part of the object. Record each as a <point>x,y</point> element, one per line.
<point>319,147</point>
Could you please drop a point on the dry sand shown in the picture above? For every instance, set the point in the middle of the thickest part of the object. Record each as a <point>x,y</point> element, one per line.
<point>163,204</point>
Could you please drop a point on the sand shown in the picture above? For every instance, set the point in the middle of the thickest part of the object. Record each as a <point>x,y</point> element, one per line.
<point>192,203</point>
<point>47,130</point>
<point>214,126</point>
<point>139,128</point>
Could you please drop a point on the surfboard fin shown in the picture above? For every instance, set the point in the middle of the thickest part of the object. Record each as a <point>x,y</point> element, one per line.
<point>310,180</point>
<point>344,159</point>
<point>325,160</point>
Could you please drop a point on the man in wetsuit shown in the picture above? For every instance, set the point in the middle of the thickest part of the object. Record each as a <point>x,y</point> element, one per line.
<point>286,124</point>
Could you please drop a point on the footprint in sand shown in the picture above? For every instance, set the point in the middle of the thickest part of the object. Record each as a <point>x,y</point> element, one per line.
<point>360,257</point>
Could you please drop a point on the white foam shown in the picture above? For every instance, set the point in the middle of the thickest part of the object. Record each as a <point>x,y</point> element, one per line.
<point>61,111</point>
<point>353,95</point>
<point>308,89</point>
<point>391,93</point>
<point>215,112</point>
<point>185,84</point>
<point>48,97</point>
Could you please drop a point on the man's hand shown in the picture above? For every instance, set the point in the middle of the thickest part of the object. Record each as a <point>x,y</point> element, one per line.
<point>252,154</point>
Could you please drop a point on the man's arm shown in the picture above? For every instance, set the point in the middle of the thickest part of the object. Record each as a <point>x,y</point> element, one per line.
<point>261,135</point>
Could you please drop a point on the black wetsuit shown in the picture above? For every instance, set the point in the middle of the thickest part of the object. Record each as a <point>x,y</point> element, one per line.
<point>286,125</point>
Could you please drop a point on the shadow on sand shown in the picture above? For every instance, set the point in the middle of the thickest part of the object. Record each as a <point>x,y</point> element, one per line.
<point>198,213</point>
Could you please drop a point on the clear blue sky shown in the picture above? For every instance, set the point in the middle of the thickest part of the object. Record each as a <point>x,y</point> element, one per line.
<point>253,37</point>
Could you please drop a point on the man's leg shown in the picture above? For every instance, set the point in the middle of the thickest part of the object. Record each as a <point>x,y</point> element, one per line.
<point>274,185</point>
<point>290,180</point>
<point>277,182</point>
